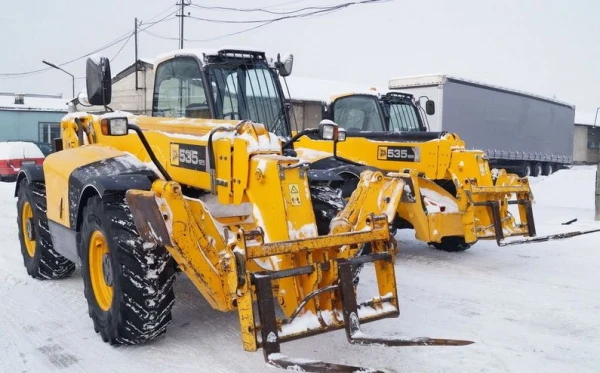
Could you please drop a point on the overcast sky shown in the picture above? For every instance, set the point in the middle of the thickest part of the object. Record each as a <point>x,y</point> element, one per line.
<point>551,48</point>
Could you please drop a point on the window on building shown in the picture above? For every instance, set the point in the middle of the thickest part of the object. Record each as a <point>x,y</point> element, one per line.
<point>47,132</point>
<point>593,138</point>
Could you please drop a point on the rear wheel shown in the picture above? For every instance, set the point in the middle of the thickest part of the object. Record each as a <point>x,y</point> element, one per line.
<point>548,169</point>
<point>39,257</point>
<point>452,244</point>
<point>128,284</point>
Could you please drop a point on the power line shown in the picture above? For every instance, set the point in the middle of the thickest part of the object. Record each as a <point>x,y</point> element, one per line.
<point>162,36</point>
<point>114,42</point>
<point>325,10</point>
<point>122,46</point>
<point>261,9</point>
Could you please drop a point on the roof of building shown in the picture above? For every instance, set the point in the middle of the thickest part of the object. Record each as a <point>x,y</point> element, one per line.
<point>586,118</point>
<point>311,89</point>
<point>33,102</point>
<point>143,63</point>
<point>437,79</point>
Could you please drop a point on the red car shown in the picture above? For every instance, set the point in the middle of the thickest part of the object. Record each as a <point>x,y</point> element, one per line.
<point>13,154</point>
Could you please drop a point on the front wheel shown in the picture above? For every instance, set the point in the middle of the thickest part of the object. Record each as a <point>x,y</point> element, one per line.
<point>452,244</point>
<point>128,284</point>
<point>39,257</point>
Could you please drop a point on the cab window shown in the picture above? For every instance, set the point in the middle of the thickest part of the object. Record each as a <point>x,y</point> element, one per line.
<point>178,90</point>
<point>403,117</point>
<point>357,113</point>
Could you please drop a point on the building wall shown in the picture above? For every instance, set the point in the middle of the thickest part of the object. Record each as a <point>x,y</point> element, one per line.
<point>306,114</point>
<point>25,125</point>
<point>586,144</point>
<point>125,97</point>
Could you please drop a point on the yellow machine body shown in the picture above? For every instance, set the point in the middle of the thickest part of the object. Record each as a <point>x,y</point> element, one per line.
<point>453,189</point>
<point>255,215</point>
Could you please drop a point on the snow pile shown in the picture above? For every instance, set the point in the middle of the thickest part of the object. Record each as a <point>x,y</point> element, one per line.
<point>435,202</point>
<point>573,188</point>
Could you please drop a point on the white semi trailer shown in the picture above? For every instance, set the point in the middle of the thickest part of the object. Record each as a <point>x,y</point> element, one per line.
<point>519,131</point>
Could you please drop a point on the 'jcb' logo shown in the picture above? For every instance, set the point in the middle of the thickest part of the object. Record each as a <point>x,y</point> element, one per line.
<point>175,154</point>
<point>382,153</point>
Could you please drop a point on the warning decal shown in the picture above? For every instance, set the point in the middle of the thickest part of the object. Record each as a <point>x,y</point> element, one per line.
<point>294,194</point>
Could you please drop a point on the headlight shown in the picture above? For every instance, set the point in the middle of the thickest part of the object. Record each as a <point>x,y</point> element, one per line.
<point>114,126</point>
<point>327,130</point>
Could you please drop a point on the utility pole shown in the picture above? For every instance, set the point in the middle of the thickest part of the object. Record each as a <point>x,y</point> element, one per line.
<point>183,4</point>
<point>136,53</point>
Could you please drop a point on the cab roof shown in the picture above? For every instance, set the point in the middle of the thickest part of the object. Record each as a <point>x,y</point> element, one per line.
<point>202,53</point>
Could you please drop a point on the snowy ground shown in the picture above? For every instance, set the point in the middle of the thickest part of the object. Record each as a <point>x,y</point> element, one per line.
<point>528,308</point>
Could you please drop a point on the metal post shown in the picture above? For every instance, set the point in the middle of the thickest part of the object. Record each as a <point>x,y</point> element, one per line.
<point>136,54</point>
<point>597,216</point>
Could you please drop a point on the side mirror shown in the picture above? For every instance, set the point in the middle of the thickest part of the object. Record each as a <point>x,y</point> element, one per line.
<point>98,81</point>
<point>430,107</point>
<point>114,126</point>
<point>285,66</point>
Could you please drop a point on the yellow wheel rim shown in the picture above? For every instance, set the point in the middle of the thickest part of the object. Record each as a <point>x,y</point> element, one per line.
<point>28,229</point>
<point>100,270</point>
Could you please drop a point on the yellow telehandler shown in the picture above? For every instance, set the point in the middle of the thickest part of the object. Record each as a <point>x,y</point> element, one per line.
<point>452,197</point>
<point>133,199</point>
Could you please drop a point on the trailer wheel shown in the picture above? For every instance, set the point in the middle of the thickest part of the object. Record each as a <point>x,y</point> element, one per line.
<point>548,169</point>
<point>537,170</point>
<point>525,170</point>
<point>39,257</point>
<point>452,244</point>
<point>128,284</point>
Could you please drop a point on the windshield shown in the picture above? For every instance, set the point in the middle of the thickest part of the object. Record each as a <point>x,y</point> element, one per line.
<point>358,113</point>
<point>403,117</point>
<point>248,89</point>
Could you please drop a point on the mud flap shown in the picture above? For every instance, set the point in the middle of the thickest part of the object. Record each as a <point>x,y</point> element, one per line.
<point>148,218</point>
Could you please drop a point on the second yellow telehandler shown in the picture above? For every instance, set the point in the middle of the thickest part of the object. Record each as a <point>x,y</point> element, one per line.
<point>452,197</point>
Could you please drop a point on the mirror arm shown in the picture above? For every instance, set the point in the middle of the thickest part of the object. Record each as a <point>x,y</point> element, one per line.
<point>79,131</point>
<point>308,131</point>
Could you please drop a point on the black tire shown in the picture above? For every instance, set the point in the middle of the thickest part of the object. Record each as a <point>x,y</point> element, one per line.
<point>525,170</point>
<point>141,277</point>
<point>548,169</point>
<point>45,263</point>
<point>452,244</point>
<point>537,170</point>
